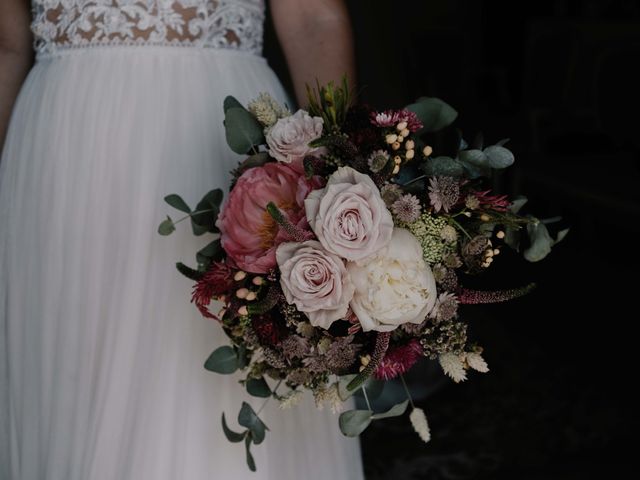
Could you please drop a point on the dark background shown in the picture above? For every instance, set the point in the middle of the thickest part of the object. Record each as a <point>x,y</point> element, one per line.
<point>560,79</point>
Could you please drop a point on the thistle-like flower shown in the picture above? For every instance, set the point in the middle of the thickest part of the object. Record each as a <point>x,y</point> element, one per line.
<point>399,360</point>
<point>444,193</point>
<point>295,346</point>
<point>472,202</point>
<point>390,193</point>
<point>419,423</point>
<point>378,160</point>
<point>449,234</point>
<point>446,307</point>
<point>407,208</point>
<point>341,354</point>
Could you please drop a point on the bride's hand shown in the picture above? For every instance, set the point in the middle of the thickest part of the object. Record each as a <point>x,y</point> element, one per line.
<point>316,39</point>
<point>16,55</point>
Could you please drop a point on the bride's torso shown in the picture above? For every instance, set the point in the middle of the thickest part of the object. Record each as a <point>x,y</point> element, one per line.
<point>59,25</point>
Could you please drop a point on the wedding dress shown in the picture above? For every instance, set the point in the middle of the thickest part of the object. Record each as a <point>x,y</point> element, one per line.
<point>101,354</point>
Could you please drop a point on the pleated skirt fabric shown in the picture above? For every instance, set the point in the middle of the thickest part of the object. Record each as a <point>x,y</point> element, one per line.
<point>101,353</point>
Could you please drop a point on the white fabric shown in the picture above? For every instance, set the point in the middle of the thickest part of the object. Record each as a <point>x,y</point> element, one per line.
<point>233,24</point>
<point>101,354</point>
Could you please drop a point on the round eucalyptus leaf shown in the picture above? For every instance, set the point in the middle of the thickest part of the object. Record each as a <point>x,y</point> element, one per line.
<point>223,360</point>
<point>251,463</point>
<point>354,422</point>
<point>232,436</point>
<point>248,419</point>
<point>474,157</point>
<point>499,157</point>
<point>258,387</point>
<point>242,130</point>
<point>394,411</point>
<point>433,113</point>
<point>177,202</point>
<point>231,102</point>
<point>444,166</point>
<point>166,227</point>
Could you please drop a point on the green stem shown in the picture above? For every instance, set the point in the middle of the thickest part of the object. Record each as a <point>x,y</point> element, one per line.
<point>366,398</point>
<point>264,404</point>
<point>460,227</point>
<point>406,389</point>
<point>197,212</point>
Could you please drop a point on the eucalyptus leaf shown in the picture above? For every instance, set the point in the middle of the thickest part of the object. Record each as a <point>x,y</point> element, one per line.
<point>541,242</point>
<point>211,250</point>
<point>474,157</point>
<point>177,202</point>
<point>394,411</point>
<point>499,157</point>
<point>443,166</point>
<point>433,113</point>
<point>255,160</point>
<point>248,418</point>
<point>502,142</point>
<point>251,463</point>
<point>231,102</point>
<point>258,387</point>
<point>223,360</point>
<point>512,238</point>
<point>166,227</point>
<point>517,204</point>
<point>232,436</point>
<point>242,130</point>
<point>343,392</point>
<point>354,422</point>
<point>243,356</point>
<point>198,229</point>
<point>207,210</point>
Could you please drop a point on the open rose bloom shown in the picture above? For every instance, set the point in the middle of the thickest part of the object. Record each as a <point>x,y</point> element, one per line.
<point>341,250</point>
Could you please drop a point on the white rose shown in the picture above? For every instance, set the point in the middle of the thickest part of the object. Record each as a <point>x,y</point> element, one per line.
<point>289,138</point>
<point>394,287</point>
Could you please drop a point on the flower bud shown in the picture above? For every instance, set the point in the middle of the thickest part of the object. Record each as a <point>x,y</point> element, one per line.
<point>496,251</point>
<point>396,169</point>
<point>391,138</point>
<point>484,217</point>
<point>257,281</point>
<point>427,151</point>
<point>405,133</point>
<point>395,145</point>
<point>410,145</point>
<point>240,275</point>
<point>251,296</point>
<point>500,234</point>
<point>401,126</point>
<point>410,154</point>
<point>397,159</point>
<point>242,293</point>
<point>243,310</point>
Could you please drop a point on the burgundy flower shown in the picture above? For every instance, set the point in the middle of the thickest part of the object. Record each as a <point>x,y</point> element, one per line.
<point>270,332</point>
<point>390,118</point>
<point>216,282</point>
<point>499,203</point>
<point>399,360</point>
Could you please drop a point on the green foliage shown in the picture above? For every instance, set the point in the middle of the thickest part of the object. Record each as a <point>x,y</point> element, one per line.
<point>223,360</point>
<point>443,166</point>
<point>212,251</point>
<point>479,163</point>
<point>433,113</point>
<point>250,461</point>
<point>541,241</point>
<point>177,202</point>
<point>330,102</point>
<point>354,422</point>
<point>248,418</point>
<point>166,227</point>
<point>258,387</point>
<point>242,130</point>
<point>394,411</point>
<point>189,272</point>
<point>231,102</point>
<point>232,436</point>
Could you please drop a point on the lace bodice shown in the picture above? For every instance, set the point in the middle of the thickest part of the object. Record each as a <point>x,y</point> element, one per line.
<point>231,24</point>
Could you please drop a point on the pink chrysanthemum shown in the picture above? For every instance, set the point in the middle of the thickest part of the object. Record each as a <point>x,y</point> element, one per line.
<point>216,282</point>
<point>406,208</point>
<point>390,118</point>
<point>399,360</point>
<point>444,193</point>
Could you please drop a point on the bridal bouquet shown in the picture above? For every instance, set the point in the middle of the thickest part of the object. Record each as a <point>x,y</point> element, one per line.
<point>338,257</point>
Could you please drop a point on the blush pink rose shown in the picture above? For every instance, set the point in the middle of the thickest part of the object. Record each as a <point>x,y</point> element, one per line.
<point>289,138</point>
<point>315,280</point>
<point>349,216</point>
<point>248,233</point>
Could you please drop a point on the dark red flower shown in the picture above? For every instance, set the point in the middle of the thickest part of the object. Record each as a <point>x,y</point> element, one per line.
<point>399,360</point>
<point>390,118</point>
<point>216,282</point>
<point>269,330</point>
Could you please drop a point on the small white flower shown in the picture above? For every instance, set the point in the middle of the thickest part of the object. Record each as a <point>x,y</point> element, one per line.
<point>329,396</point>
<point>291,399</point>
<point>449,234</point>
<point>420,425</point>
<point>475,361</point>
<point>453,366</point>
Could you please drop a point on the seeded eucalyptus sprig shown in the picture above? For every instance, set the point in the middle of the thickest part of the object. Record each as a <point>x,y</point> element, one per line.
<point>330,102</point>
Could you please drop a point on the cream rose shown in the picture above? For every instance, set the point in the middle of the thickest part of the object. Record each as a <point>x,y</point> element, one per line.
<point>394,287</point>
<point>315,280</point>
<point>289,138</point>
<point>349,216</point>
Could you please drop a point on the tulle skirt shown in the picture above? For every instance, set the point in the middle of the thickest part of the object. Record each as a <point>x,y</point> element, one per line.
<point>101,354</point>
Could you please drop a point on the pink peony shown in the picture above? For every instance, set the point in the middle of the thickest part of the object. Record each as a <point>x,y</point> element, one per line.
<point>349,216</point>
<point>249,234</point>
<point>315,280</point>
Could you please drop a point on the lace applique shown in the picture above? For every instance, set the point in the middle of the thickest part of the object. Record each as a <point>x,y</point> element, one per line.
<point>231,24</point>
